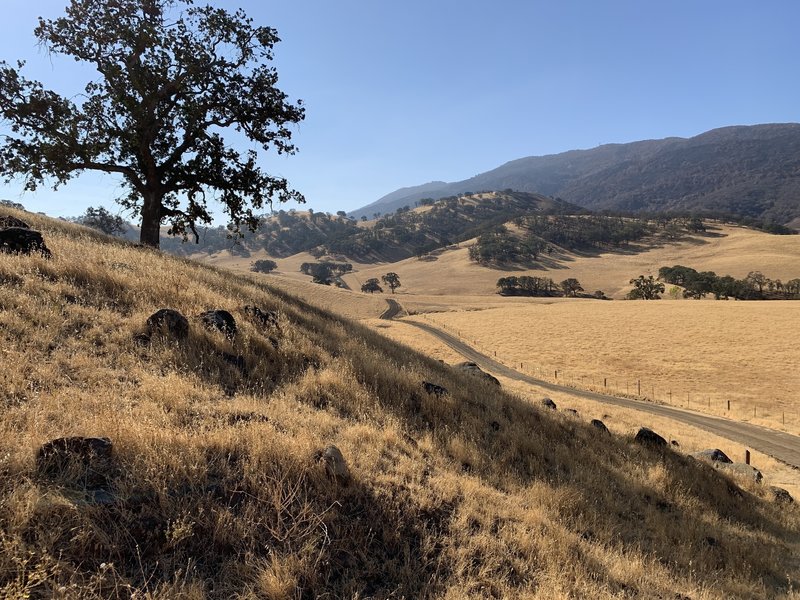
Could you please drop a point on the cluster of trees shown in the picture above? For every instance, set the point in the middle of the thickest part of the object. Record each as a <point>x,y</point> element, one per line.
<point>580,231</point>
<point>645,288</point>
<point>499,246</point>
<point>326,272</point>
<point>756,286</point>
<point>264,266</point>
<point>372,285</point>
<point>102,220</point>
<point>526,285</point>
<point>544,231</point>
<point>450,220</point>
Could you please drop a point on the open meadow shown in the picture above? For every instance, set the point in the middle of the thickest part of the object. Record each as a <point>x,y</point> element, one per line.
<point>701,353</point>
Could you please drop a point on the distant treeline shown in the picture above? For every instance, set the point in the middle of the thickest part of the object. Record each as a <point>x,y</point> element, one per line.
<point>756,286</point>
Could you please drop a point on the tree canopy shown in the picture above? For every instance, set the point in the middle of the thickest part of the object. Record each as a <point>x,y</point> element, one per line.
<point>371,285</point>
<point>102,220</point>
<point>174,80</point>
<point>392,280</point>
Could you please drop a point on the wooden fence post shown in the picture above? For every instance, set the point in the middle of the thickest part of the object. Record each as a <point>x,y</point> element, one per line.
<point>747,457</point>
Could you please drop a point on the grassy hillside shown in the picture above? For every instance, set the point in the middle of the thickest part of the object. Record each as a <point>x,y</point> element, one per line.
<point>727,250</point>
<point>215,488</point>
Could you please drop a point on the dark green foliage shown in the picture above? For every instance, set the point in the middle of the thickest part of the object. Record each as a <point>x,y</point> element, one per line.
<point>646,288</point>
<point>264,266</point>
<point>451,220</point>
<point>392,280</point>
<point>325,272</point>
<point>371,285</point>
<point>573,232</point>
<point>102,220</point>
<point>571,287</point>
<point>173,78</point>
<point>755,286</point>
<point>527,286</point>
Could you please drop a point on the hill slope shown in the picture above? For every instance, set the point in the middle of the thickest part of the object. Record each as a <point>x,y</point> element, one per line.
<point>215,487</point>
<point>749,171</point>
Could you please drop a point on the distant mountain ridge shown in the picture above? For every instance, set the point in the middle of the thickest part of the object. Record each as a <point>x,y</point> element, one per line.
<point>751,171</point>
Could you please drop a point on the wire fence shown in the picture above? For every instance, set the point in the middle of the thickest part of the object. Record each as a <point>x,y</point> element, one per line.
<point>768,412</point>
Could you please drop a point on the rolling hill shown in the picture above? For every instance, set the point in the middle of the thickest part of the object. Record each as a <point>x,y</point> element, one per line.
<point>749,171</point>
<point>302,457</point>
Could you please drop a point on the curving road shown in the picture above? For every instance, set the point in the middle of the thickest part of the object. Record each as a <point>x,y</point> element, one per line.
<point>393,310</point>
<point>777,444</point>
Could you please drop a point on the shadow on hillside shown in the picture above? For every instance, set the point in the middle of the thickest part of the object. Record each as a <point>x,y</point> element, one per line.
<point>508,443</point>
<point>558,259</point>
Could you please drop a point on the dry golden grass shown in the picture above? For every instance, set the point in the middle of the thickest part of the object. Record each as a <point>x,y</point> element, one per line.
<point>728,250</point>
<point>742,352</point>
<point>218,494</point>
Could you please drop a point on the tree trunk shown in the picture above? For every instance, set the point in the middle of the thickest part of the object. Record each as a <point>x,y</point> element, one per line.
<point>151,220</point>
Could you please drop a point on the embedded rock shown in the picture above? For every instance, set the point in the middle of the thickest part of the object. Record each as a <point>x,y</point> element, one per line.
<point>548,403</point>
<point>169,323</point>
<point>335,465</point>
<point>473,369</point>
<point>20,240</point>
<point>648,437</point>
<point>221,320</point>
<point>712,455</point>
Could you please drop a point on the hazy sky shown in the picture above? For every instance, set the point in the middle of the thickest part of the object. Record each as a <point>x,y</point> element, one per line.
<point>402,93</point>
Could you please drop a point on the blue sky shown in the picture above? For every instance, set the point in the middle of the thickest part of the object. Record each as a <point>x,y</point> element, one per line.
<point>402,93</point>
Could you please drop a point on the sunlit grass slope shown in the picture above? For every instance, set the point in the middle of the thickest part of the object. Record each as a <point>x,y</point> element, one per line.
<point>216,489</point>
<point>727,250</point>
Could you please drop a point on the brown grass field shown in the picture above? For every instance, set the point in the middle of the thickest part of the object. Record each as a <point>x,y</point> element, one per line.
<point>214,489</point>
<point>714,352</point>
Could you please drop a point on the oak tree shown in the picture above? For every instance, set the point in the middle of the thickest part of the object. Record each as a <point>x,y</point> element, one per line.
<point>175,83</point>
<point>392,280</point>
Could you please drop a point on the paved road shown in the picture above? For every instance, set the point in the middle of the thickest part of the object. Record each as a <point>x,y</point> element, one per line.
<point>777,444</point>
<point>393,310</point>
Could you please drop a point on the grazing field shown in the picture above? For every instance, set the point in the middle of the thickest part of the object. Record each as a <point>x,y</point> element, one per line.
<point>743,352</point>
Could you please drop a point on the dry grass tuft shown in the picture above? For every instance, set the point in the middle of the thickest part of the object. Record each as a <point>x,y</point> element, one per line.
<point>215,491</point>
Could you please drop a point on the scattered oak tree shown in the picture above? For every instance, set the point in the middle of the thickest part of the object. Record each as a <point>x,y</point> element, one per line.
<point>371,285</point>
<point>646,288</point>
<point>102,220</point>
<point>571,287</point>
<point>174,80</point>
<point>392,280</point>
<point>264,266</point>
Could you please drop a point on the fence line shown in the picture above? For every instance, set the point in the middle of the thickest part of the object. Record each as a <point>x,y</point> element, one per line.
<point>637,388</point>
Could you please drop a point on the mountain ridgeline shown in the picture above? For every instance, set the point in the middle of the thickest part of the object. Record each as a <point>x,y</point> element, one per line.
<point>746,171</point>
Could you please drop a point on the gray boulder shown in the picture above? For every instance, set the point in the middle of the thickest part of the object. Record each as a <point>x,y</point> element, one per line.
<point>548,403</point>
<point>221,320</point>
<point>169,323</point>
<point>335,465</point>
<point>268,319</point>
<point>648,437</point>
<point>473,369</point>
<point>21,240</point>
<point>740,470</point>
<point>713,455</point>
<point>780,495</point>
